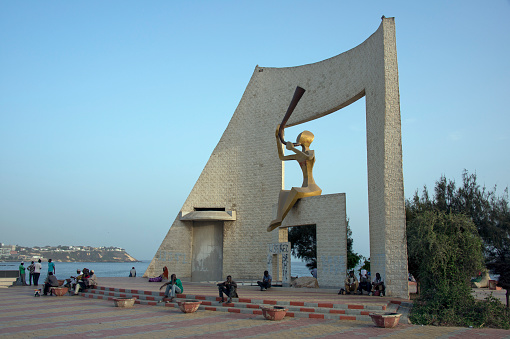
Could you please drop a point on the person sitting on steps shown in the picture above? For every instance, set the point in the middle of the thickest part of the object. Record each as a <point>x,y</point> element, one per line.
<point>92,280</point>
<point>378,286</point>
<point>82,281</point>
<point>51,281</point>
<point>351,283</point>
<point>174,286</point>
<point>364,282</point>
<point>229,287</point>
<point>266,281</point>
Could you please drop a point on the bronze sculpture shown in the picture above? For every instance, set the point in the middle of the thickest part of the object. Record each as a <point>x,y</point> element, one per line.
<point>306,159</point>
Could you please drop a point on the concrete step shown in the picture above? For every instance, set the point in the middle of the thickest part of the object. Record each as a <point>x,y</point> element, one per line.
<point>358,312</point>
<point>7,282</point>
<point>239,304</point>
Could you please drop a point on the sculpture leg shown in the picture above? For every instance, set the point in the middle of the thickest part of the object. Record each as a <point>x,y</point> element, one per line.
<point>286,201</point>
<point>281,201</point>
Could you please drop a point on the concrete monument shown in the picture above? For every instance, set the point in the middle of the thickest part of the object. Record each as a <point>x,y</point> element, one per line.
<point>221,227</point>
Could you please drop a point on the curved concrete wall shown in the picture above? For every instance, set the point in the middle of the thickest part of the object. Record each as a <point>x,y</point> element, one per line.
<point>245,175</point>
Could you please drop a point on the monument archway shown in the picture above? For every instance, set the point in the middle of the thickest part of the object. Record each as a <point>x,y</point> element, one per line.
<point>244,175</point>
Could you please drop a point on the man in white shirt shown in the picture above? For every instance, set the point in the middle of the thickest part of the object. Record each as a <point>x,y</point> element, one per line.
<point>37,272</point>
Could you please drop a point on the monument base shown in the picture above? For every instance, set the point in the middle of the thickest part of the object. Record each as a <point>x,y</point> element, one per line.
<point>328,213</point>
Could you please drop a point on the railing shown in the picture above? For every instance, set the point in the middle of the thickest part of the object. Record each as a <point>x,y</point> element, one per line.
<point>9,274</point>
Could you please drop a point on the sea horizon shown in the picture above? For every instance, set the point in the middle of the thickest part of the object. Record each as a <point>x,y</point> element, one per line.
<point>64,270</point>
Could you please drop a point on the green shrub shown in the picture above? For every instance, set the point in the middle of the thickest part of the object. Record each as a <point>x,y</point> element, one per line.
<point>449,310</point>
<point>489,313</point>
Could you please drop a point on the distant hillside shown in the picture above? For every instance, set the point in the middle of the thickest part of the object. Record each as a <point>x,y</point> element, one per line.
<point>92,256</point>
<point>66,254</point>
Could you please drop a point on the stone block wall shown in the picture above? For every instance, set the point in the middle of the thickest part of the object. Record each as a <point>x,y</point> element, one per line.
<point>327,212</point>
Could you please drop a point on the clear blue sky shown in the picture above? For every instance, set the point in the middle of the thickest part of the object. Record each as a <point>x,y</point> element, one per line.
<point>109,110</point>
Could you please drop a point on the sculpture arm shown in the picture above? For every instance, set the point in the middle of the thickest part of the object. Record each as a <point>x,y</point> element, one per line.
<point>308,156</point>
<point>281,155</point>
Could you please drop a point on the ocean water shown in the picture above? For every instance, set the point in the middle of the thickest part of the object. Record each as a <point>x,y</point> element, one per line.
<point>299,269</point>
<point>121,269</point>
<point>118,269</point>
<point>64,270</point>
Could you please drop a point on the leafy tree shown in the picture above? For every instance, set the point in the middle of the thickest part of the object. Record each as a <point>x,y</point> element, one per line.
<point>366,264</point>
<point>489,212</point>
<point>444,252</point>
<point>444,248</point>
<point>303,241</point>
<point>443,232</point>
<point>352,258</point>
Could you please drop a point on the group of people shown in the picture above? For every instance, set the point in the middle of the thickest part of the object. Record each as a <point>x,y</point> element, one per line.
<point>34,271</point>
<point>83,280</point>
<point>228,288</point>
<point>352,284</point>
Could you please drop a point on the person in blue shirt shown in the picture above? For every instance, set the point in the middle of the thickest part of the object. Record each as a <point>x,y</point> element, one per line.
<point>51,266</point>
<point>266,281</point>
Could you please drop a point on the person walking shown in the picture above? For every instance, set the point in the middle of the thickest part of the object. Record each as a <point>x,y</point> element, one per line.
<point>22,274</point>
<point>37,272</point>
<point>31,270</point>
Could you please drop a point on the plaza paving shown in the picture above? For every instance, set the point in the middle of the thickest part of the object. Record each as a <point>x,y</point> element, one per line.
<point>22,315</point>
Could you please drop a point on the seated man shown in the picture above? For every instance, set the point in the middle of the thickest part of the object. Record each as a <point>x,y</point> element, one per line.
<point>378,285</point>
<point>351,283</point>
<point>173,287</point>
<point>228,287</point>
<point>364,283</point>
<point>266,281</point>
<point>82,281</point>
<point>92,280</point>
<point>314,272</point>
<point>51,281</point>
<point>72,281</point>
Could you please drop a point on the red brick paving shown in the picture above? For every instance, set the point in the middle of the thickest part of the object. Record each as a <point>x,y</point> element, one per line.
<point>22,315</point>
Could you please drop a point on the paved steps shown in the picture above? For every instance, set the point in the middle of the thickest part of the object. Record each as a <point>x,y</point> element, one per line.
<point>7,282</point>
<point>335,311</point>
